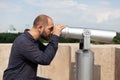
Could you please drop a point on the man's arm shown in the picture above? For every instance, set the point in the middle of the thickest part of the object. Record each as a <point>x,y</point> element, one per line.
<point>34,54</point>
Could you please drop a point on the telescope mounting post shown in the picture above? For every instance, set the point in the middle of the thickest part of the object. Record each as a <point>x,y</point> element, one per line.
<point>86,39</point>
<point>84,58</point>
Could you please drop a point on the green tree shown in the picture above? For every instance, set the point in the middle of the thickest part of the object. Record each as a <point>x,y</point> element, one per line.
<point>116,39</point>
<point>8,37</point>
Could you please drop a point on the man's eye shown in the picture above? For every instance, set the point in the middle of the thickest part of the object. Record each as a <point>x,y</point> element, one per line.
<point>51,28</point>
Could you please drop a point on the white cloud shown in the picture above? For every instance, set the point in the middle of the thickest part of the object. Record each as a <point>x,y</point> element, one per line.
<point>70,12</point>
<point>105,2</point>
<point>5,6</point>
<point>56,4</point>
<point>74,7</point>
<point>107,15</point>
<point>75,13</point>
<point>101,17</point>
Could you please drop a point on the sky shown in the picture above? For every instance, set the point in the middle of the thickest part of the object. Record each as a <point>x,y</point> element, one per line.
<point>93,14</point>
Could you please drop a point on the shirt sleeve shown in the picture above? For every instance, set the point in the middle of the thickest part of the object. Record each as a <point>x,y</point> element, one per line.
<point>33,53</point>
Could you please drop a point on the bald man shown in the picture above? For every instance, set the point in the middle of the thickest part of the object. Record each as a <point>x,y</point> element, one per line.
<point>27,51</point>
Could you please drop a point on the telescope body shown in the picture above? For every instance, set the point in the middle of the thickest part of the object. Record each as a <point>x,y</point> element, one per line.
<point>84,64</point>
<point>96,35</point>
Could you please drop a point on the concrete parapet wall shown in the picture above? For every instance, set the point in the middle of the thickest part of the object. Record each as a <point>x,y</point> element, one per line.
<point>106,62</point>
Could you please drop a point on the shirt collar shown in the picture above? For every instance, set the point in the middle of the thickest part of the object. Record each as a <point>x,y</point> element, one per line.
<point>29,36</point>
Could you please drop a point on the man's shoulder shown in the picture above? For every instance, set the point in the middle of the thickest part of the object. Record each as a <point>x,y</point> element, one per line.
<point>20,39</point>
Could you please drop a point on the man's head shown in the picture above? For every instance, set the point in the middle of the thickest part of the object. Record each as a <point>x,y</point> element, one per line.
<point>44,24</point>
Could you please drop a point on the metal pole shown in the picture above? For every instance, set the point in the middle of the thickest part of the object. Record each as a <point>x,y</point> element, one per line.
<point>84,59</point>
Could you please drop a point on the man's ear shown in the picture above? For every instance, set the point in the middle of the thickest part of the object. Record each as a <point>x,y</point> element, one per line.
<point>40,27</point>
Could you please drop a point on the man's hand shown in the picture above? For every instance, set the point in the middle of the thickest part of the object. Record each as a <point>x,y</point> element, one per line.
<point>58,29</point>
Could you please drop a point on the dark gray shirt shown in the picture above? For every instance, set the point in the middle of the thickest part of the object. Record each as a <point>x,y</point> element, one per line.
<point>26,54</point>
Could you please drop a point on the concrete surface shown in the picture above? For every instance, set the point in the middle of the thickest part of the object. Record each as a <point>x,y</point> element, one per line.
<point>106,62</point>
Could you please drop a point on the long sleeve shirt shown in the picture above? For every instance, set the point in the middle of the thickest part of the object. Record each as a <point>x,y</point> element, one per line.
<point>26,54</point>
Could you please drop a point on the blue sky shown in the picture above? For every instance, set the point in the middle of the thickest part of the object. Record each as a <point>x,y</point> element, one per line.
<point>98,14</point>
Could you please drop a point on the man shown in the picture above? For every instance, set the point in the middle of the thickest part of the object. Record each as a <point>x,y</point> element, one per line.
<point>27,51</point>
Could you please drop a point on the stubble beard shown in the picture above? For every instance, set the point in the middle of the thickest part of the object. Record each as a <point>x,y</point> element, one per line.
<point>45,36</point>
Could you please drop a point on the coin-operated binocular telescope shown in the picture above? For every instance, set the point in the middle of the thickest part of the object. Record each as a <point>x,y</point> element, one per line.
<point>96,35</point>
<point>84,56</point>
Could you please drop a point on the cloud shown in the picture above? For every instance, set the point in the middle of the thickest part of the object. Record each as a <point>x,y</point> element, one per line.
<point>7,6</point>
<point>69,12</point>
<point>60,9</point>
<point>107,15</point>
<point>104,2</point>
<point>56,4</point>
<point>74,9</point>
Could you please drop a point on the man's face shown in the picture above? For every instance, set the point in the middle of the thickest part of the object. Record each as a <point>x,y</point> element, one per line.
<point>47,31</point>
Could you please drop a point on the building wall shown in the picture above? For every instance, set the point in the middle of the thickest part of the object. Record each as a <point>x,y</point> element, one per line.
<point>63,66</point>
